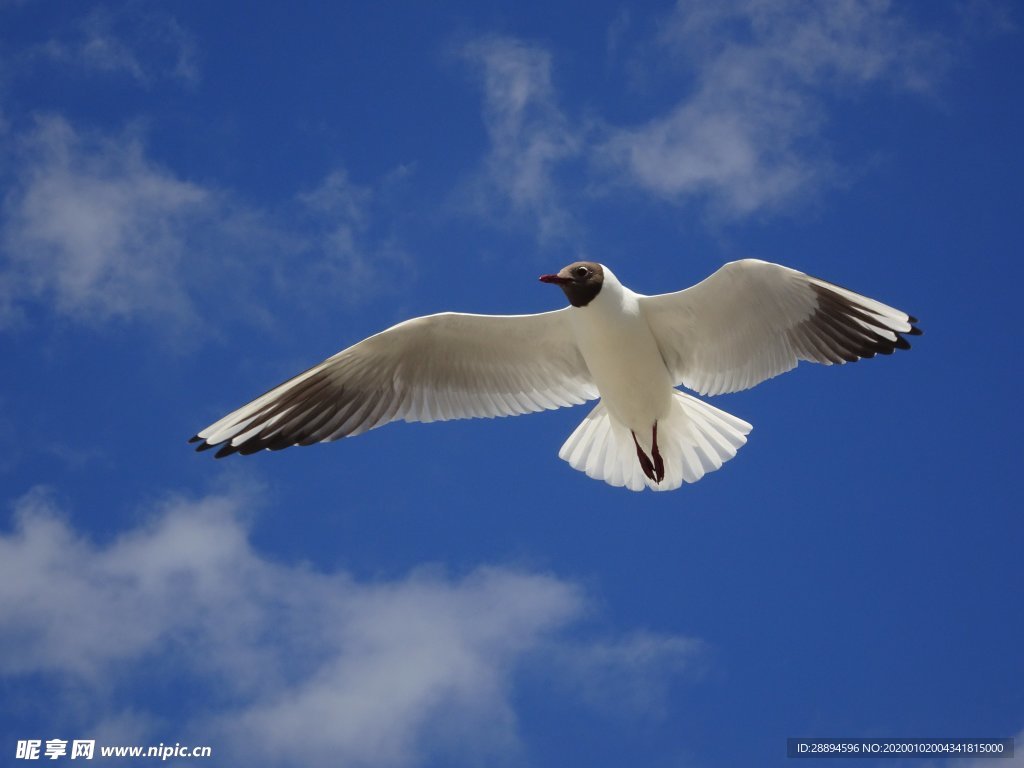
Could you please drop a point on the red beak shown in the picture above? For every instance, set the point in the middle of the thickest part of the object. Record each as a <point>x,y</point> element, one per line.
<point>555,279</point>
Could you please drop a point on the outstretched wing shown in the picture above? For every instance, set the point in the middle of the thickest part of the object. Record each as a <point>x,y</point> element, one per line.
<point>752,320</point>
<point>435,368</point>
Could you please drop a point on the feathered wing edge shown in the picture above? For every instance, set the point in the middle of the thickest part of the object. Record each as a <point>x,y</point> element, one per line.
<point>434,368</point>
<point>752,320</point>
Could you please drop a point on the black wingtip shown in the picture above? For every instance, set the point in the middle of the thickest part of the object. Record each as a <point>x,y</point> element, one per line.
<point>901,342</point>
<point>225,450</point>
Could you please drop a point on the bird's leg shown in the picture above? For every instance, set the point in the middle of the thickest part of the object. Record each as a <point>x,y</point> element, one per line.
<point>645,462</point>
<point>659,463</point>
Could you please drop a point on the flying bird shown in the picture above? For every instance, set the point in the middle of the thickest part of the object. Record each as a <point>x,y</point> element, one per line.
<point>749,321</point>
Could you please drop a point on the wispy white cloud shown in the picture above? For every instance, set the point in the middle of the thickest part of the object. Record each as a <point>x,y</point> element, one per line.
<point>291,665</point>
<point>757,80</point>
<point>351,259</point>
<point>742,135</point>
<point>97,231</point>
<point>616,30</point>
<point>633,673</point>
<point>528,133</point>
<point>146,46</point>
<point>96,228</point>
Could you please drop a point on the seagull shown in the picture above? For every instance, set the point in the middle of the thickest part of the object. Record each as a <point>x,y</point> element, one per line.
<point>749,321</point>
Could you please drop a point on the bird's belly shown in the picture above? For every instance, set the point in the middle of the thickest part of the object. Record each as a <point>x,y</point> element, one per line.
<point>627,367</point>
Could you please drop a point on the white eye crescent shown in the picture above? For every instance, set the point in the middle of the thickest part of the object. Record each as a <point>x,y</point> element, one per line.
<point>580,272</point>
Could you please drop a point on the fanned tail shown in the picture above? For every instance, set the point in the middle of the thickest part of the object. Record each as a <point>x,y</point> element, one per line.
<point>695,438</point>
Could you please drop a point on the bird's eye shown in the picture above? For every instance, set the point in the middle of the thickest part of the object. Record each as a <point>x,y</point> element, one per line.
<point>580,272</point>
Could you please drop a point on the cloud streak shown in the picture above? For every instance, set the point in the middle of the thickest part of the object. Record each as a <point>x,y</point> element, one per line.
<point>96,228</point>
<point>756,80</point>
<point>288,665</point>
<point>528,133</point>
<point>97,232</point>
<point>743,136</point>
<point>145,46</point>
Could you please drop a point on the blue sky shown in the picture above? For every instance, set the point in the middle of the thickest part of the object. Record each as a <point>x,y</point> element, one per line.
<point>200,200</point>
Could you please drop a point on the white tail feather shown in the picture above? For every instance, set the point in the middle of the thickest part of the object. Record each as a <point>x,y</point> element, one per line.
<point>695,438</point>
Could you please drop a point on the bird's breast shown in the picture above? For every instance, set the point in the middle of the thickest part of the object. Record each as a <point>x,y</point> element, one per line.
<point>624,360</point>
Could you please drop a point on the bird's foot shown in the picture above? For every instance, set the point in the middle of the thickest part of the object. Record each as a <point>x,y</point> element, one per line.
<point>645,462</point>
<point>659,463</point>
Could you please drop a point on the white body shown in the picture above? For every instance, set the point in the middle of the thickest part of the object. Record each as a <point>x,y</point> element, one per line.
<point>623,357</point>
<point>747,322</point>
<point>637,392</point>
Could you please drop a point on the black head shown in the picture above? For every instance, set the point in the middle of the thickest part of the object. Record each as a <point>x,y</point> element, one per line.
<point>581,281</point>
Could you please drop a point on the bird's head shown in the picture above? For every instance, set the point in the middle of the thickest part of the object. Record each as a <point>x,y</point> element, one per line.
<point>581,281</point>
